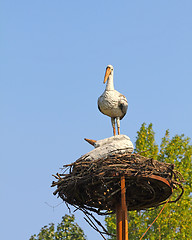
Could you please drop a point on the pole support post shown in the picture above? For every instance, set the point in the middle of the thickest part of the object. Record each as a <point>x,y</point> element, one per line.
<point>121,214</point>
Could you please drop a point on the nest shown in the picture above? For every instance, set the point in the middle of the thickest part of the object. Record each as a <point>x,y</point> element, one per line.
<point>95,185</point>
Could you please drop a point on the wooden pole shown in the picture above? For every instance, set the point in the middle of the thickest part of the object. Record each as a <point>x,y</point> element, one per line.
<point>118,221</point>
<point>121,214</point>
<point>124,210</point>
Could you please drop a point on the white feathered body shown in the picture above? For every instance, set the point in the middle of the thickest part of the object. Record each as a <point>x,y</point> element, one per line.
<point>113,104</point>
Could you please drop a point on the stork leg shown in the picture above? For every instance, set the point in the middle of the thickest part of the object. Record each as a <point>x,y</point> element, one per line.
<point>118,125</point>
<point>113,125</point>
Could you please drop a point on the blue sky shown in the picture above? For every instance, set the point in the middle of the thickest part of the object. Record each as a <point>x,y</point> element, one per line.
<point>52,65</point>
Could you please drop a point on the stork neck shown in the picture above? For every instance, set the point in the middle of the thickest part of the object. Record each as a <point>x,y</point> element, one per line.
<point>110,85</point>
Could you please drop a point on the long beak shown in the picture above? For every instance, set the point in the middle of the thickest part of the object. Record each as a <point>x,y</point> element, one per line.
<point>92,142</point>
<point>107,73</point>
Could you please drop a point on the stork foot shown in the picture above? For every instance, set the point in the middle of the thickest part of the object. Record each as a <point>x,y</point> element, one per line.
<point>113,125</point>
<point>118,125</point>
<point>114,131</point>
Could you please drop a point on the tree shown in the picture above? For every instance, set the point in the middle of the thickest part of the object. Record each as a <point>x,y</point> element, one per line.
<point>66,230</point>
<point>176,219</point>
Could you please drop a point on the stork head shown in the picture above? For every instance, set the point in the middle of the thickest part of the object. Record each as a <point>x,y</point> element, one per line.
<point>109,70</point>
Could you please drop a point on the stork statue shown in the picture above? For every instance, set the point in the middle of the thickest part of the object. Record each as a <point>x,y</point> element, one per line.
<point>111,102</point>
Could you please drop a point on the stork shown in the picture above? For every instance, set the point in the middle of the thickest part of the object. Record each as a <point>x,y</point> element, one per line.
<point>111,102</point>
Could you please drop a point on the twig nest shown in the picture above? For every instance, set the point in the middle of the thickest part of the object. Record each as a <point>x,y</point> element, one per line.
<point>93,181</point>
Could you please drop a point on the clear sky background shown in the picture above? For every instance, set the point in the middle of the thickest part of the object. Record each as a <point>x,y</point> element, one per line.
<point>53,56</point>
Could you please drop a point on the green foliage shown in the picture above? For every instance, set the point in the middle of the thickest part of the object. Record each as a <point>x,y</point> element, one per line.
<point>66,230</point>
<point>175,221</point>
<point>145,142</point>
